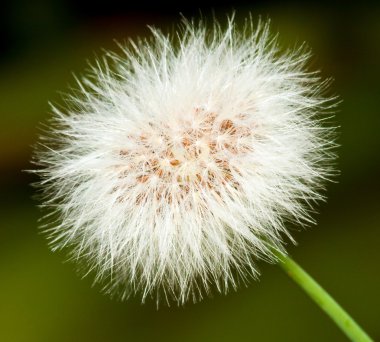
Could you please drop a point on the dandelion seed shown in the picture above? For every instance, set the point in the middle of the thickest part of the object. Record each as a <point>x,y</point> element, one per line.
<point>182,158</point>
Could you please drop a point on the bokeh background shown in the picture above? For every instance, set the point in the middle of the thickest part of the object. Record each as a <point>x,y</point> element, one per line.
<point>43,299</point>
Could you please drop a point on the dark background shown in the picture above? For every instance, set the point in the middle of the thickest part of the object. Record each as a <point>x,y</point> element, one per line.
<point>43,299</point>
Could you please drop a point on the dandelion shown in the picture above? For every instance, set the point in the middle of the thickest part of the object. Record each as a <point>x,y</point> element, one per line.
<point>180,160</point>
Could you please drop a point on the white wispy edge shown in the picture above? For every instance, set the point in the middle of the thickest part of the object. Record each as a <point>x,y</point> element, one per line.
<point>180,159</point>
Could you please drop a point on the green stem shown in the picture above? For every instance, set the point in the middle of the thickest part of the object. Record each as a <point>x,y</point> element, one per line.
<point>322,298</point>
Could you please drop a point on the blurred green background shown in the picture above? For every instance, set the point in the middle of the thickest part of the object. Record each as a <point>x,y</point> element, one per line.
<point>43,299</point>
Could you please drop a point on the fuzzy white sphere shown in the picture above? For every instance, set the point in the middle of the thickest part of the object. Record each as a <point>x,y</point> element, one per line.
<point>182,158</point>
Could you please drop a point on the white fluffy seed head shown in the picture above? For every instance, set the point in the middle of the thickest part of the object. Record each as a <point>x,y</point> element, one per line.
<point>180,159</point>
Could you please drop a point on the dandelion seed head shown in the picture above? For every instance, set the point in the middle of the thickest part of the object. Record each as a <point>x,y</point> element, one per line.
<point>180,159</point>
